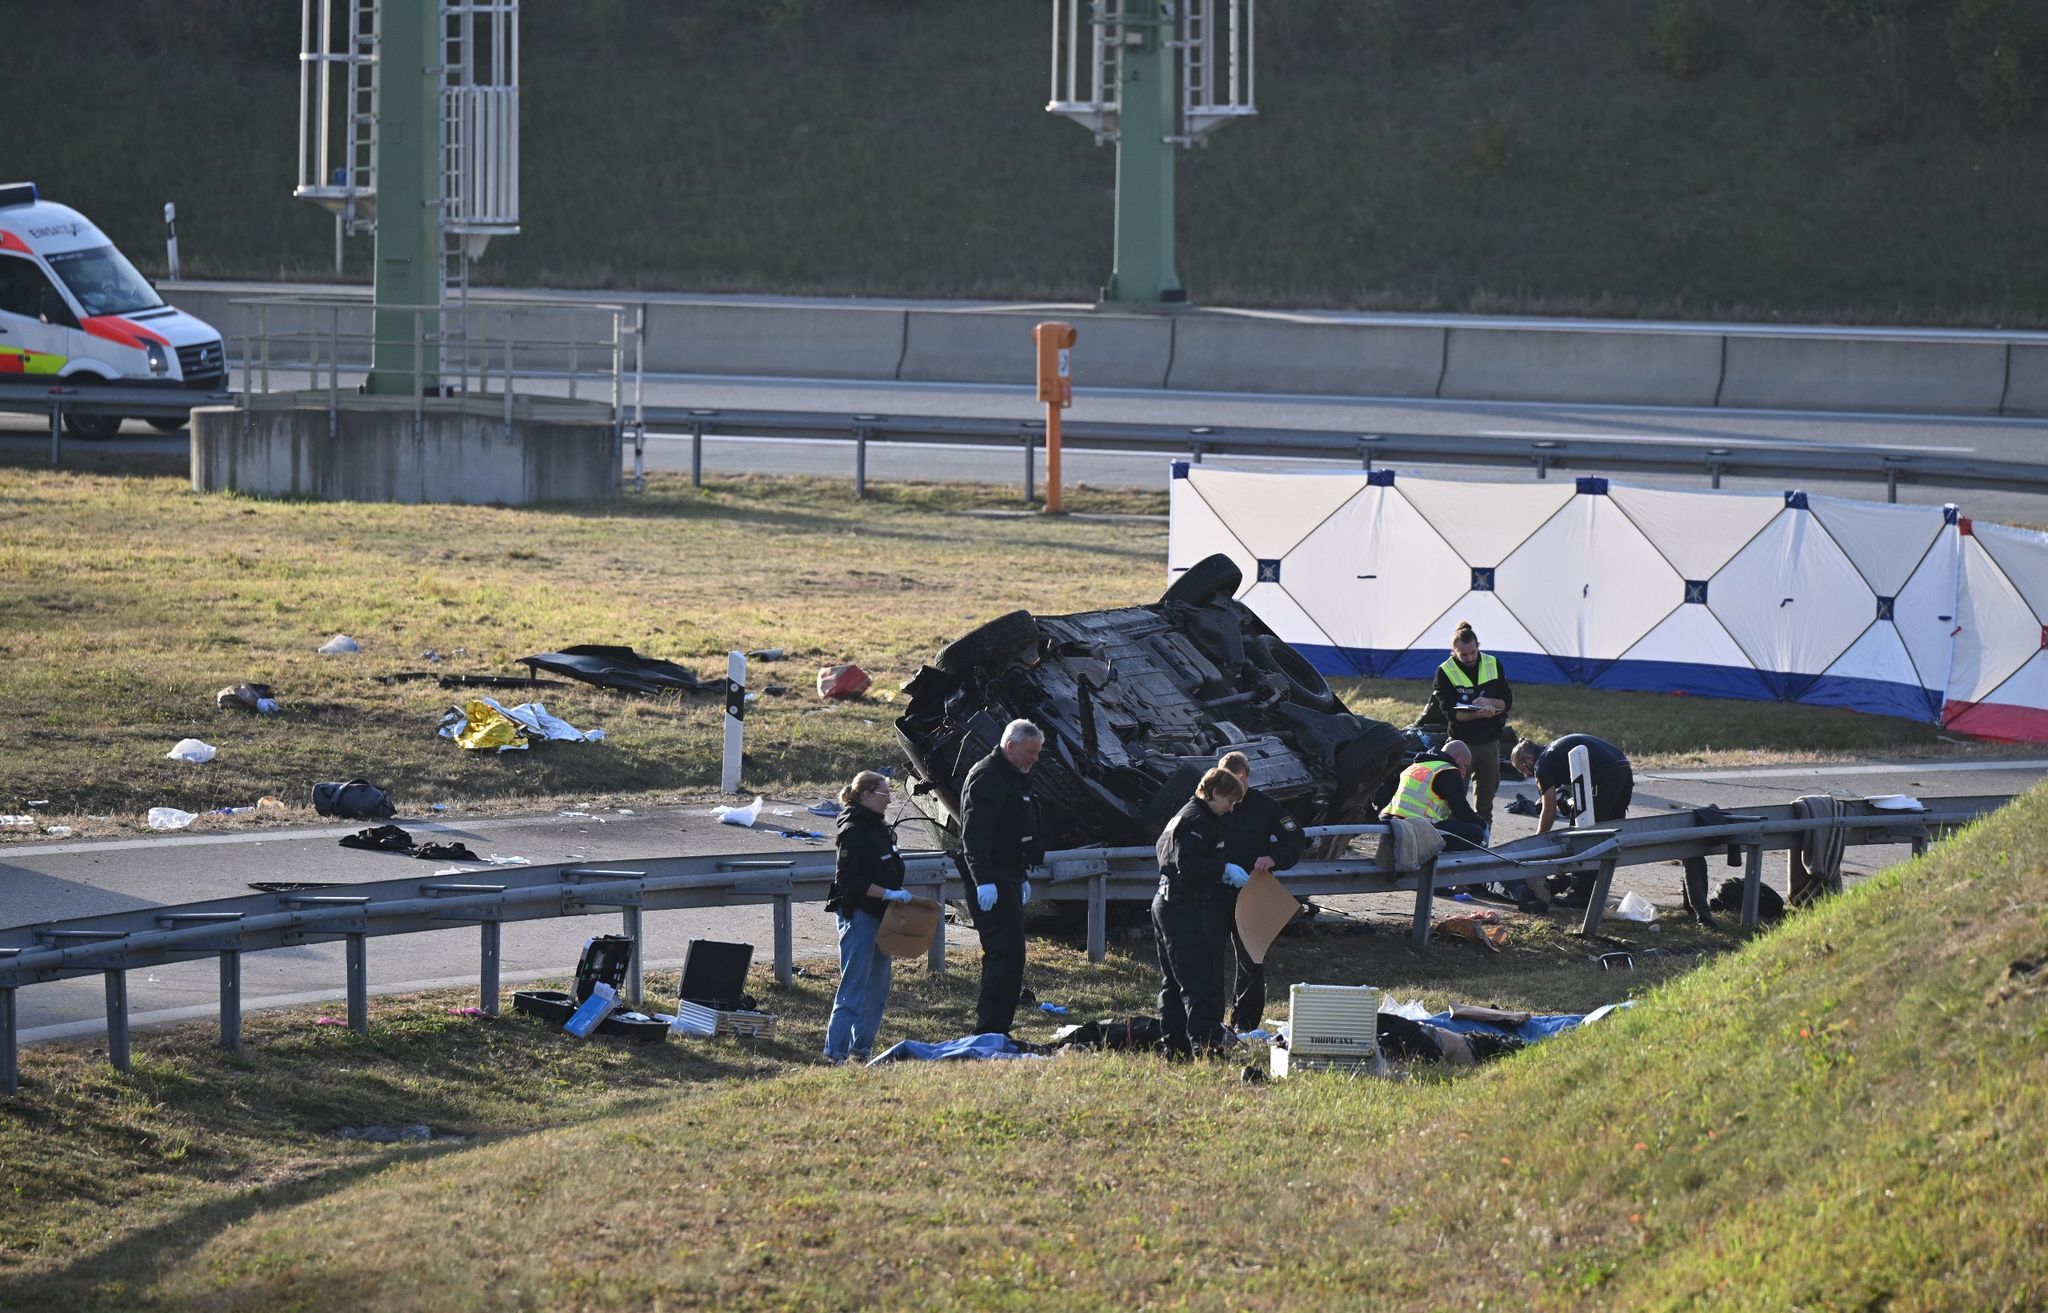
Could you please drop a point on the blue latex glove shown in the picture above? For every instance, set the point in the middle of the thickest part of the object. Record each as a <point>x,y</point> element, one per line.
<point>1236,876</point>
<point>985,897</point>
<point>1024,894</point>
<point>896,896</point>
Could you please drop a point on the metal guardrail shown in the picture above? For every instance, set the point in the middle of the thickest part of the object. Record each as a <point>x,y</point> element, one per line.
<point>1716,460</point>
<point>487,897</point>
<point>139,400</point>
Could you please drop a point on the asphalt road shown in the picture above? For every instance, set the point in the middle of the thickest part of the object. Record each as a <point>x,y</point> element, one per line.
<point>42,881</point>
<point>1987,437</point>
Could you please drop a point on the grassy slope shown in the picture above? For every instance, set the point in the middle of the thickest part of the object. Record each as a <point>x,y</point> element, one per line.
<point>1848,1114</point>
<point>1409,154</point>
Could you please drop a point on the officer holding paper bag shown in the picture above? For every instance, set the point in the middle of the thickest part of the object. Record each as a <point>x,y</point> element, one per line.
<point>1192,914</point>
<point>1259,835</point>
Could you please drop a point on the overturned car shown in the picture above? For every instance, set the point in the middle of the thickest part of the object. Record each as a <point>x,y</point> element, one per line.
<point>1136,703</point>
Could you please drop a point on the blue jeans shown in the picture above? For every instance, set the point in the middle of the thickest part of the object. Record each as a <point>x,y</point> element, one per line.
<point>863,988</point>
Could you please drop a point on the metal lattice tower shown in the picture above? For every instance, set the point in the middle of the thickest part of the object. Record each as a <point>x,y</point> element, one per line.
<point>1115,72</point>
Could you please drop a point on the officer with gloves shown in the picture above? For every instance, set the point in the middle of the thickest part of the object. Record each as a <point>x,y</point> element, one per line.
<point>1000,842</point>
<point>1258,834</point>
<point>1192,915</point>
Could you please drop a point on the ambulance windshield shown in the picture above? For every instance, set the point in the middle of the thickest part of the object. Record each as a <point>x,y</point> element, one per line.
<point>104,282</point>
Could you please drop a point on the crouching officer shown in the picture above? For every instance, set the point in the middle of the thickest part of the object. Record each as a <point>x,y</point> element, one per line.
<point>1192,914</point>
<point>1000,842</point>
<point>1258,835</point>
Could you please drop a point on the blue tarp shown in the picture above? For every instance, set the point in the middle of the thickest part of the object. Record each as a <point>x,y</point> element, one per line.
<point>967,1046</point>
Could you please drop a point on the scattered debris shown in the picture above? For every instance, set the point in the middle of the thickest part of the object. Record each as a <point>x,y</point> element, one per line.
<point>1053,1009</point>
<point>496,860</point>
<point>1482,928</point>
<point>800,834</point>
<point>169,818</point>
<point>329,1021</point>
<point>57,831</point>
<point>847,681</point>
<point>622,668</point>
<point>356,799</point>
<point>776,690</point>
<point>486,723</point>
<point>17,822</point>
<point>741,816</point>
<point>270,803</point>
<point>38,802</point>
<point>290,886</point>
<point>250,697</point>
<point>765,654</point>
<point>338,644</point>
<point>417,1133</point>
<point>192,750</point>
<point>823,809</point>
<point>1634,907</point>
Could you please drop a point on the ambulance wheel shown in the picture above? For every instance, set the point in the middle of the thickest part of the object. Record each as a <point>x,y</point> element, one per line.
<point>167,425</point>
<point>91,428</point>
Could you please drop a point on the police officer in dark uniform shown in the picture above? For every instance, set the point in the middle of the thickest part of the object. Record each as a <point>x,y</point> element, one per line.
<point>1000,842</point>
<point>1192,914</point>
<point>1258,834</point>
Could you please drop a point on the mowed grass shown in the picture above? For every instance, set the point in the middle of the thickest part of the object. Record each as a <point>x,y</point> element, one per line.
<point>1846,1113</point>
<point>126,601</point>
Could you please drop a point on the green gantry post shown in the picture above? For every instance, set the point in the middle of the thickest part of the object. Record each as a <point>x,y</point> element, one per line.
<point>1147,83</point>
<point>408,194</point>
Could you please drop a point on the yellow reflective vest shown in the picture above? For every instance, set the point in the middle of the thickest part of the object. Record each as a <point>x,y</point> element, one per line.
<point>1489,670</point>
<point>1416,798</point>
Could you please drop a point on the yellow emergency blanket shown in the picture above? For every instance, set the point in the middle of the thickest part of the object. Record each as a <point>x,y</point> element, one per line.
<point>489,727</point>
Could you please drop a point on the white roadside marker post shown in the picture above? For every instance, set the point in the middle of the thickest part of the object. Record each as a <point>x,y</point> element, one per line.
<point>735,719</point>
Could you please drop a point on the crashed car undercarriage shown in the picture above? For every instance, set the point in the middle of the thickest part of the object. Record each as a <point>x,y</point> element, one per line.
<point>1135,704</point>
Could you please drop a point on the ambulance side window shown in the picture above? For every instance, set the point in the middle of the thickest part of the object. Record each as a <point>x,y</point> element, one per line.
<point>21,286</point>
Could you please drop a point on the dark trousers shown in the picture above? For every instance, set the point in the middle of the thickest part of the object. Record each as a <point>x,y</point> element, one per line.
<point>1485,778</point>
<point>1190,935</point>
<point>1248,1000</point>
<point>1460,835</point>
<point>1002,958</point>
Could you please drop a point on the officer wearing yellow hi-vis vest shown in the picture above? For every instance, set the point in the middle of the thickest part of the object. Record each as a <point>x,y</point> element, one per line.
<point>1433,789</point>
<point>1473,699</point>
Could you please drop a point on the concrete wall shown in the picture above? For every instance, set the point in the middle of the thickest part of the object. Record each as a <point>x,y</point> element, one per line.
<point>994,346</point>
<point>1610,366</point>
<point>460,456</point>
<point>1848,373</point>
<point>1229,353</point>
<point>1600,362</point>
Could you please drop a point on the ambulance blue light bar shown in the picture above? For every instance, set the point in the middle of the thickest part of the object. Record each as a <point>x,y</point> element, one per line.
<point>18,193</point>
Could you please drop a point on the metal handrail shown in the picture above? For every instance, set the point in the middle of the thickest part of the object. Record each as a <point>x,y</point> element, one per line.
<point>116,943</point>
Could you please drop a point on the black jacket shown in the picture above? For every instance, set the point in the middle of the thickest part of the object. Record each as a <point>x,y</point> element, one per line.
<point>1191,855</point>
<point>1443,705</point>
<point>867,855</point>
<point>1001,823</point>
<point>1260,827</point>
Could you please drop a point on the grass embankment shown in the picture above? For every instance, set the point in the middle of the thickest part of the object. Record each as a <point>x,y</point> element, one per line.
<point>1854,159</point>
<point>126,601</point>
<point>1849,1113</point>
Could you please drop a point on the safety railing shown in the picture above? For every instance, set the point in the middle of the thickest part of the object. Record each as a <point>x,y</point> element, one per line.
<point>114,944</point>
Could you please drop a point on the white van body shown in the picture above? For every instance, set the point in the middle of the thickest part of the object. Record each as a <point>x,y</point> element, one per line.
<point>73,308</point>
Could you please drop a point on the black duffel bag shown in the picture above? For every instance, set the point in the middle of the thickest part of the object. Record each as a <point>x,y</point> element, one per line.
<point>355,799</point>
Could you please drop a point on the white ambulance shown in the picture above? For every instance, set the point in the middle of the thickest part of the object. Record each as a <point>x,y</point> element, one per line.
<point>73,308</point>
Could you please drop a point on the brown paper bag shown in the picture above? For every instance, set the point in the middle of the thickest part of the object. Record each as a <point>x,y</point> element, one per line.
<point>907,928</point>
<point>1264,907</point>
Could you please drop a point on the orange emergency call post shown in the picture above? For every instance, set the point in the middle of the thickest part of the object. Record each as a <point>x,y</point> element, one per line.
<point>1055,343</point>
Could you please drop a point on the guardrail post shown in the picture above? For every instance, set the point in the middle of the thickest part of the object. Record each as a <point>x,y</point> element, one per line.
<point>10,1064</point>
<point>117,1019</point>
<point>935,956</point>
<point>1752,883</point>
<point>635,960</point>
<point>1425,898</point>
<point>1596,899</point>
<point>785,942</point>
<point>1030,467</point>
<point>860,462</point>
<point>231,1000</point>
<point>488,993</point>
<point>56,431</point>
<point>1098,917</point>
<point>696,453</point>
<point>358,983</point>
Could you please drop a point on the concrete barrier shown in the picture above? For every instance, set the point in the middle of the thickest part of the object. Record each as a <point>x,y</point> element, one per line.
<point>460,454</point>
<point>2026,382</point>
<point>798,341</point>
<point>994,346</point>
<point>1617,366</point>
<point>1232,353</point>
<point>1847,373</point>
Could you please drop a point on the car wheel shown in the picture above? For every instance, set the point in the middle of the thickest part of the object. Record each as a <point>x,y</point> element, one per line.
<point>979,647</point>
<point>91,428</point>
<point>1201,582</point>
<point>166,425</point>
<point>1305,684</point>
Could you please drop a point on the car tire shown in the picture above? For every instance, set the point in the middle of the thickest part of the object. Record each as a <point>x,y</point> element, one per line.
<point>166,424</point>
<point>980,647</point>
<point>1201,582</point>
<point>1305,684</point>
<point>91,428</point>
